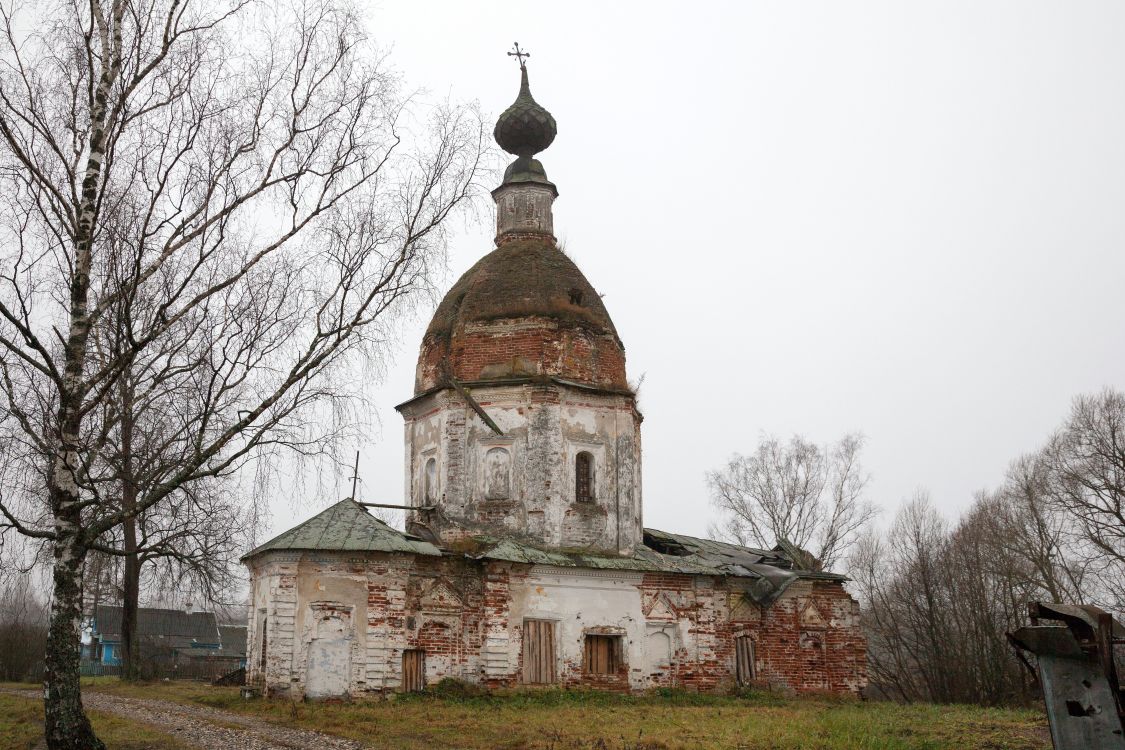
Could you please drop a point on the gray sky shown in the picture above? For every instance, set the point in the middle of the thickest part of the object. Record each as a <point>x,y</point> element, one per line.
<point>899,218</point>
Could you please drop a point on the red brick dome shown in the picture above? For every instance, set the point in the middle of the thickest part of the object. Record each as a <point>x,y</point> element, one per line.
<point>525,309</point>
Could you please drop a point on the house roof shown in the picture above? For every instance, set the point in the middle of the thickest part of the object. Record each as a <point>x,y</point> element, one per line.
<point>347,526</point>
<point>232,640</point>
<point>182,628</point>
<point>233,644</point>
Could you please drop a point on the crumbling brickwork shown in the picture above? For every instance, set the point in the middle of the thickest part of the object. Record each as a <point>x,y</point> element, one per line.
<point>524,347</point>
<point>525,309</point>
<point>545,425</point>
<point>467,617</point>
<point>525,534</point>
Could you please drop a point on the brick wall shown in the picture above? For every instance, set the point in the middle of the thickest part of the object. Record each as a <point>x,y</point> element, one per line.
<point>467,616</point>
<point>809,640</point>
<point>525,346</point>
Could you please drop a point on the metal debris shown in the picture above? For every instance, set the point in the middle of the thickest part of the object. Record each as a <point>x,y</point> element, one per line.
<point>1077,674</point>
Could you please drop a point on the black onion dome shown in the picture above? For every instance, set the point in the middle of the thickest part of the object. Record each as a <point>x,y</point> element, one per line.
<point>525,128</point>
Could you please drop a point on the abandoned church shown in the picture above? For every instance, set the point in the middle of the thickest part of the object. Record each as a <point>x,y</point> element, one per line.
<point>525,560</point>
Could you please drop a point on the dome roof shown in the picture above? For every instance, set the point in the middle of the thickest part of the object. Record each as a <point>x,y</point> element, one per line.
<point>525,128</point>
<point>524,309</point>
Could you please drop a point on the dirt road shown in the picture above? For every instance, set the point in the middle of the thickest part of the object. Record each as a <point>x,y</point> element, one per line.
<point>207,728</point>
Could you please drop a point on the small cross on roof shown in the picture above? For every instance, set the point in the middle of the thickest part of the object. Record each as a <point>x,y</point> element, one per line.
<point>519,55</point>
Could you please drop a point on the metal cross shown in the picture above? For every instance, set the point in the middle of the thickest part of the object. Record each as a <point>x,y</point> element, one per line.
<point>519,55</point>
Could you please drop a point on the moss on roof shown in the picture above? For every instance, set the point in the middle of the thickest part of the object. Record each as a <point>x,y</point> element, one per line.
<point>348,527</point>
<point>519,279</point>
<point>345,527</point>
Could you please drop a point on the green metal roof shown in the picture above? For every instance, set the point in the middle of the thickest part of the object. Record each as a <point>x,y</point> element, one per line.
<point>348,527</point>
<point>345,527</point>
<point>772,571</point>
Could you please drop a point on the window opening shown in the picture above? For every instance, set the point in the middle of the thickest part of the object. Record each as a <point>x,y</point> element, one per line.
<point>602,654</point>
<point>584,478</point>
<point>262,658</point>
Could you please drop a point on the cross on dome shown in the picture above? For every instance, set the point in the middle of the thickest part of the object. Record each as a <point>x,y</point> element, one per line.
<point>519,55</point>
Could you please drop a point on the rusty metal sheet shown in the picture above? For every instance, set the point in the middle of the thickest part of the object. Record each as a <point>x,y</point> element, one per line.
<point>1048,641</point>
<point>1077,675</point>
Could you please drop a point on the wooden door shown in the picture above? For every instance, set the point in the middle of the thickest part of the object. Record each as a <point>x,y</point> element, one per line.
<point>413,670</point>
<point>744,659</point>
<point>539,652</point>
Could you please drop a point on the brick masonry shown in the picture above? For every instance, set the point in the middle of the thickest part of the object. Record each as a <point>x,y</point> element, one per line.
<point>467,616</point>
<point>523,346</point>
<point>545,426</point>
<point>529,337</point>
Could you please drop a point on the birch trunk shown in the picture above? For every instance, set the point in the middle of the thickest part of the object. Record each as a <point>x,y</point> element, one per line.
<point>66,725</point>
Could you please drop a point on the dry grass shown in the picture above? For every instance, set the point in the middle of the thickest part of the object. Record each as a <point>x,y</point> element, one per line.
<point>561,720</point>
<point>21,728</point>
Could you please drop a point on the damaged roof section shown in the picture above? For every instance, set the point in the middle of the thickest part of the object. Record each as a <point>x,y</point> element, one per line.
<point>771,572</point>
<point>348,527</point>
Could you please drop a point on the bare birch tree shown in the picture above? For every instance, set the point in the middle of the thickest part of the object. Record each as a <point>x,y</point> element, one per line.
<point>244,181</point>
<point>796,491</point>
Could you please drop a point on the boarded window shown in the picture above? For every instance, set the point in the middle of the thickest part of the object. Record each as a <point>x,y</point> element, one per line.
<point>538,652</point>
<point>602,654</point>
<point>743,659</point>
<point>413,670</point>
<point>584,478</point>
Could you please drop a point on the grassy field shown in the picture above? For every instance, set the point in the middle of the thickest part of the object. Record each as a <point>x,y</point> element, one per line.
<point>556,720</point>
<point>21,728</point>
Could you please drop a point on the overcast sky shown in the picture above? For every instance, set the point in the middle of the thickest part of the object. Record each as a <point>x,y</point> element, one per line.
<point>899,218</point>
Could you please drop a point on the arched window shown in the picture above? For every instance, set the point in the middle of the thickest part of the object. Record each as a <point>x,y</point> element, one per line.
<point>429,482</point>
<point>584,478</point>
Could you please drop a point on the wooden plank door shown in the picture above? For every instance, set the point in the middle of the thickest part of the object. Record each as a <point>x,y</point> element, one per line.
<point>413,670</point>
<point>539,652</point>
<point>744,659</point>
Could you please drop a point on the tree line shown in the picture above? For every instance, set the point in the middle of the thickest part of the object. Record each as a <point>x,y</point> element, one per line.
<point>938,596</point>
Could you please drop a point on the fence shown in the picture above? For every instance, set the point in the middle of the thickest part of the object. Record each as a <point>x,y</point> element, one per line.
<point>97,669</point>
<point>203,669</point>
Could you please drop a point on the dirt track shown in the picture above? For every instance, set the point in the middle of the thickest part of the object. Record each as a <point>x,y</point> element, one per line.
<point>207,728</point>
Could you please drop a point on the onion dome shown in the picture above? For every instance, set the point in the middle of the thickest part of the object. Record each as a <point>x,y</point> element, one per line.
<point>525,310</point>
<point>525,128</point>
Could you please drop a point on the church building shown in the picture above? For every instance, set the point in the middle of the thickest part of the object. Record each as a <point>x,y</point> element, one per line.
<point>525,561</point>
